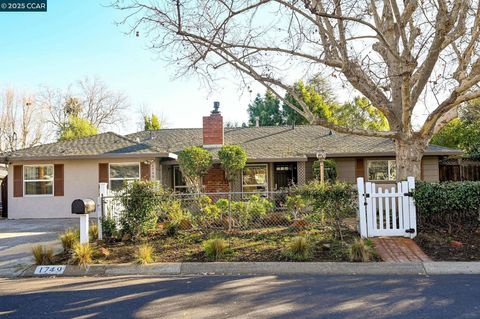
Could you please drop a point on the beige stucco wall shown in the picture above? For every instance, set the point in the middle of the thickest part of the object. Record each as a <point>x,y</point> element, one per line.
<point>80,181</point>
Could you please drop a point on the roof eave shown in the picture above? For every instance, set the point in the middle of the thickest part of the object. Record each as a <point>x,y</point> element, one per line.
<point>391,153</point>
<point>7,159</point>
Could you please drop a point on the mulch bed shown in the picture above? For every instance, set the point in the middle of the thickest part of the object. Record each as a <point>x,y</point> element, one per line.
<point>256,245</point>
<point>453,243</point>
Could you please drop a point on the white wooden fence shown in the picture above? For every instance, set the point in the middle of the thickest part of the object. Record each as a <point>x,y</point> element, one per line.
<point>387,212</point>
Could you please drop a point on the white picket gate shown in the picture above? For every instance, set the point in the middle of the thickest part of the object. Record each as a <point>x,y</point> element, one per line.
<point>388,212</point>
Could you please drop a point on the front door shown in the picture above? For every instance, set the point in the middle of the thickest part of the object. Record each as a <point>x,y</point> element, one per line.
<point>285,175</point>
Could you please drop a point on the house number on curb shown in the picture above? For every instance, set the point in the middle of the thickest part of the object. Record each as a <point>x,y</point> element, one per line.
<point>50,270</point>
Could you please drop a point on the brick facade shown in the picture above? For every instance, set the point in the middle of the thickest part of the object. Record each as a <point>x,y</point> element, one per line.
<point>214,181</point>
<point>213,129</point>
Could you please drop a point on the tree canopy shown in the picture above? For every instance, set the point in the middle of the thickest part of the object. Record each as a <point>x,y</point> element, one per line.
<point>318,95</point>
<point>75,128</point>
<point>403,56</point>
<point>463,132</point>
<point>233,159</point>
<point>151,123</point>
<point>194,163</point>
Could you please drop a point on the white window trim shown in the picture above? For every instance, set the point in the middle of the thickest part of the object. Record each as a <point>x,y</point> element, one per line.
<point>110,179</point>
<point>174,180</point>
<point>38,180</point>
<point>389,167</point>
<point>266,176</point>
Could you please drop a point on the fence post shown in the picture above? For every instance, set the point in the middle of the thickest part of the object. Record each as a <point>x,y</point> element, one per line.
<point>102,189</point>
<point>229,211</point>
<point>412,208</point>
<point>362,216</point>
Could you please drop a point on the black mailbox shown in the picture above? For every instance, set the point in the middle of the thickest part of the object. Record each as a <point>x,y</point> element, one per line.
<point>83,206</point>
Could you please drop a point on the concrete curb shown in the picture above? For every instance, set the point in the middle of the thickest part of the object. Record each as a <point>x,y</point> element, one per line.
<point>262,268</point>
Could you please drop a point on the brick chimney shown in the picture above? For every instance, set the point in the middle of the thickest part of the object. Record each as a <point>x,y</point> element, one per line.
<point>213,128</point>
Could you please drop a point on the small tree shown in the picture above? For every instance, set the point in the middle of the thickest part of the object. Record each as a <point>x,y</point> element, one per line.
<point>151,123</point>
<point>233,159</point>
<point>75,128</point>
<point>141,201</point>
<point>194,163</point>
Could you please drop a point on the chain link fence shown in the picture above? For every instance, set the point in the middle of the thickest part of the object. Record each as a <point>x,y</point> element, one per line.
<point>227,211</point>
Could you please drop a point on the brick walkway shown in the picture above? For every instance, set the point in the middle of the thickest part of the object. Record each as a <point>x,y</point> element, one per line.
<point>398,249</point>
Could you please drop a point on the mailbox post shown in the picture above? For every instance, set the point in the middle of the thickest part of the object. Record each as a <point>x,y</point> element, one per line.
<point>83,207</point>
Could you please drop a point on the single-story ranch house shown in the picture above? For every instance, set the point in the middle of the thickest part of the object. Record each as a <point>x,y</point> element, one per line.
<point>44,180</point>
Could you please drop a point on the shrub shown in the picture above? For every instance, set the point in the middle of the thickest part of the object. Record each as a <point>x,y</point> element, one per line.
<point>330,169</point>
<point>258,207</point>
<point>215,248</point>
<point>360,251</point>
<point>334,201</point>
<point>93,231</point>
<point>240,213</point>
<point>296,204</point>
<point>82,254</point>
<point>141,201</point>
<point>68,239</point>
<point>194,163</point>
<point>144,254</point>
<point>233,159</point>
<point>222,205</point>
<point>299,249</point>
<point>444,204</point>
<point>42,254</point>
<point>109,227</point>
<point>171,229</point>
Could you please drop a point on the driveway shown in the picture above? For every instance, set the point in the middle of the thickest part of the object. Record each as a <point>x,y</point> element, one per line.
<point>18,236</point>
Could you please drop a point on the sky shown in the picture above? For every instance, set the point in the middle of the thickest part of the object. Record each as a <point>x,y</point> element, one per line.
<point>75,39</point>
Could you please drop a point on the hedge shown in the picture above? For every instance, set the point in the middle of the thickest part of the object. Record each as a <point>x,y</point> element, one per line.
<point>448,203</point>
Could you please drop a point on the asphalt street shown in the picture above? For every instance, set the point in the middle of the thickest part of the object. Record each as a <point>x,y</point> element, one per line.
<point>243,296</point>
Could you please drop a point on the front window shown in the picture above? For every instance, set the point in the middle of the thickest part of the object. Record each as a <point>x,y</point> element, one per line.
<point>255,178</point>
<point>382,170</point>
<point>120,174</point>
<point>38,179</point>
<point>179,183</point>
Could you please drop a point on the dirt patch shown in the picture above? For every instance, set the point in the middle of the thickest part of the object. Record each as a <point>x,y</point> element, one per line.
<point>453,244</point>
<point>256,245</point>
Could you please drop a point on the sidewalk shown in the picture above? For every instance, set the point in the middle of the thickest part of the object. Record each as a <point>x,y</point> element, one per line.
<point>264,268</point>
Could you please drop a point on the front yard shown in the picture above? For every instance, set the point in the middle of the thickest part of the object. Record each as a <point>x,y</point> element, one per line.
<point>254,245</point>
<point>443,244</point>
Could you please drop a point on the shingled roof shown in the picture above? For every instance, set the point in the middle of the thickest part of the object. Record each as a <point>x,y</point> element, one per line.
<point>260,143</point>
<point>97,146</point>
<point>282,142</point>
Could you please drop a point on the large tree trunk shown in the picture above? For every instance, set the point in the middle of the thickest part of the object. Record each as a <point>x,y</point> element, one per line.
<point>409,155</point>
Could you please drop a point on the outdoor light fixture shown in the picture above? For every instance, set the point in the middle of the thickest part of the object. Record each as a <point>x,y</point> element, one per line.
<point>322,155</point>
